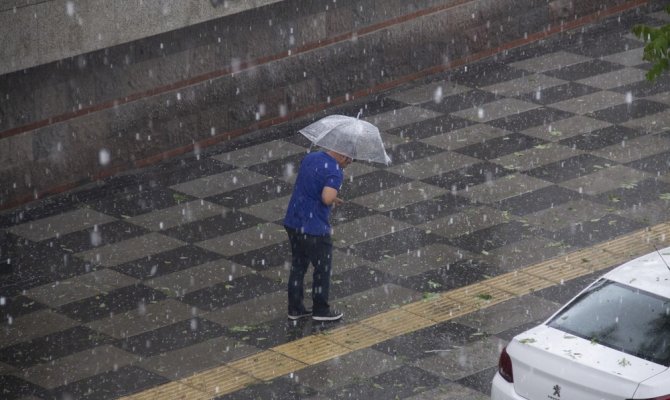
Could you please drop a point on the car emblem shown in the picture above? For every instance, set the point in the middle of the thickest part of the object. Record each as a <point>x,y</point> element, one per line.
<point>557,391</point>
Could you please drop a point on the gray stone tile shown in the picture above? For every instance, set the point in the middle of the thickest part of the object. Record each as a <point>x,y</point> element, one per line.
<point>525,84</point>
<point>561,216</point>
<point>261,153</point>
<point>404,116</point>
<point>263,308</point>
<point>357,169</point>
<point>654,123</point>
<point>635,149</point>
<point>131,249</point>
<point>197,277</point>
<point>450,391</point>
<point>524,252</point>
<point>220,183</point>
<point>502,188</point>
<point>615,79</point>
<point>260,236</point>
<point>651,213</point>
<point>365,228</point>
<point>495,110</point>
<point>418,261</point>
<point>6,369</point>
<point>272,210</point>
<point>537,156</point>
<point>469,220</point>
<point>566,128</point>
<point>399,196</point>
<point>373,301</point>
<point>433,165</point>
<point>605,180</point>
<point>177,215</point>
<point>469,135</point>
<point>33,325</point>
<point>184,362</point>
<point>509,314</point>
<point>77,366</point>
<point>434,91</point>
<point>591,102</point>
<point>663,97</point>
<point>628,58</point>
<point>60,224</point>
<point>343,261</point>
<point>346,369</point>
<point>551,61</point>
<point>143,319</point>
<point>80,287</point>
<point>464,361</point>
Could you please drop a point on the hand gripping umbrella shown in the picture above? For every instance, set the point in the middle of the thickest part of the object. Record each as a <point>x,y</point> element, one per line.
<point>349,136</point>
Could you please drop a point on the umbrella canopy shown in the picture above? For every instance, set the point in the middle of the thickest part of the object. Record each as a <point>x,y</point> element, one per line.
<point>352,137</point>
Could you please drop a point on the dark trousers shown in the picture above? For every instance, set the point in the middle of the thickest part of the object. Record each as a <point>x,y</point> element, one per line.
<point>306,249</point>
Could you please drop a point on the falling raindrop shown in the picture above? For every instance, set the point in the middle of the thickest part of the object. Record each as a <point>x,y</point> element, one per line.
<point>629,97</point>
<point>437,95</point>
<point>104,156</point>
<point>480,113</point>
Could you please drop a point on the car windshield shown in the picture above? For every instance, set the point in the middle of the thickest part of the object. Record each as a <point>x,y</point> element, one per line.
<point>620,317</point>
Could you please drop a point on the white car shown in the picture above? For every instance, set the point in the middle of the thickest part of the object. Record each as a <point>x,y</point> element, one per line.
<point>612,341</point>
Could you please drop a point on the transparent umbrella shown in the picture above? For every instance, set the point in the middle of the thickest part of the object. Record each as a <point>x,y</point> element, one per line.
<point>349,136</point>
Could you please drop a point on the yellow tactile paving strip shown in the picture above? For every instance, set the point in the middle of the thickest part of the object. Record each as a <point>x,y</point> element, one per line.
<point>311,350</point>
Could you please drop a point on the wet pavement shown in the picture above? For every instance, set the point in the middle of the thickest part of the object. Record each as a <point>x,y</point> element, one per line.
<point>174,270</point>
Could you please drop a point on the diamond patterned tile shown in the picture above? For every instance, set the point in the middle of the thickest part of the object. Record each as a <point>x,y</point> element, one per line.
<point>222,224</point>
<point>634,110</point>
<point>615,79</point>
<point>111,385</point>
<point>654,123</point>
<point>34,325</point>
<point>494,237</point>
<point>231,292</point>
<point>393,244</point>
<point>167,262</point>
<point>197,277</point>
<point>468,176</point>
<point>434,91</point>
<point>558,93</point>
<point>591,102</point>
<point>537,200</point>
<point>369,183</point>
<point>271,210</point>
<point>172,337</point>
<point>433,165</point>
<point>57,225</point>
<point>262,235</point>
<point>399,117</point>
<point>581,71</point>
<point>634,194</point>
<point>116,301</point>
<point>604,180</point>
<point>495,110</point>
<point>657,164</point>
<point>220,183</point>
<point>410,151</point>
<point>535,157</point>
<point>52,346</point>
<point>569,168</point>
<point>399,196</point>
<point>98,235</point>
<point>566,128</point>
<point>503,188</point>
<point>474,134</point>
<point>597,139</point>
<point>421,260</point>
<point>551,61</point>
<point>129,250</point>
<point>285,169</point>
<point>533,118</point>
<point>430,127</point>
<point>470,219</point>
<point>498,147</point>
<point>261,153</point>
<point>365,229</point>
<point>485,73</point>
<point>177,215</point>
<point>524,84</point>
<point>450,104</point>
<point>566,214</point>
<point>635,148</point>
<point>144,318</point>
<point>428,210</point>
<point>132,203</point>
<point>594,231</point>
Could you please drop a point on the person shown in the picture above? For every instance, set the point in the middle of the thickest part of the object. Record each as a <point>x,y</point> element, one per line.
<point>307,223</point>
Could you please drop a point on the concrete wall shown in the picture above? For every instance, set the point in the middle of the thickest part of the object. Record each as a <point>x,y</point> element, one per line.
<point>144,100</point>
<point>37,32</point>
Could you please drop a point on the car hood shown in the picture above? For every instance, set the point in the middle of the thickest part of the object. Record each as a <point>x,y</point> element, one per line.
<point>551,364</point>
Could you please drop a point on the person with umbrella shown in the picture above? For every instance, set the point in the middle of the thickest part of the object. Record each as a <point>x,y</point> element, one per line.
<point>315,192</point>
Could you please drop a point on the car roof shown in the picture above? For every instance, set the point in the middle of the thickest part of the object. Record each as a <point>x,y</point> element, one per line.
<point>650,272</point>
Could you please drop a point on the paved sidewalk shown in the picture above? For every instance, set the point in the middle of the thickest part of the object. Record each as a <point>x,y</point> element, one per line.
<point>167,271</point>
